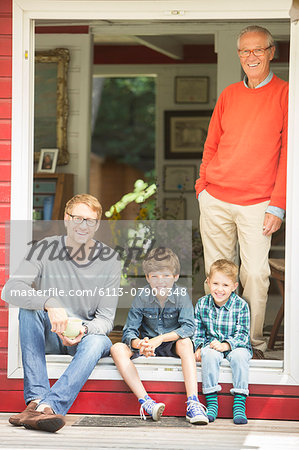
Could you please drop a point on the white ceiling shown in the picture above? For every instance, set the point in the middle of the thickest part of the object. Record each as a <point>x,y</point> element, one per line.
<point>167,37</point>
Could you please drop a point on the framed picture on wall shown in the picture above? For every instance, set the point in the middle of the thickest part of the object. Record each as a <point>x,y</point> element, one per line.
<point>175,208</point>
<point>51,102</point>
<point>185,133</point>
<point>47,160</point>
<point>191,90</point>
<point>179,178</point>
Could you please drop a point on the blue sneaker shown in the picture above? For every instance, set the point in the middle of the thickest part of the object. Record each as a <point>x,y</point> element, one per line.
<point>196,411</point>
<point>151,407</point>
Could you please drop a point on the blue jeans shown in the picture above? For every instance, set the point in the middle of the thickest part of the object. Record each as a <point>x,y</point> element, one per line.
<point>37,340</point>
<point>210,366</point>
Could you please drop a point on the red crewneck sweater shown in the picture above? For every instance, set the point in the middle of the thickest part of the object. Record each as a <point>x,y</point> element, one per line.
<point>245,154</point>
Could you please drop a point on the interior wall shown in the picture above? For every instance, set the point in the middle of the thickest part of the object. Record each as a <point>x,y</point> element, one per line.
<point>79,86</point>
<point>79,82</point>
<point>165,101</point>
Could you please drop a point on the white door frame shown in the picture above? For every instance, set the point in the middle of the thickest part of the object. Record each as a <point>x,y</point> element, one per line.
<point>24,14</point>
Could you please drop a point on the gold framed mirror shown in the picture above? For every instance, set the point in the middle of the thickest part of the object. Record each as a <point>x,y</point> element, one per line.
<point>51,102</point>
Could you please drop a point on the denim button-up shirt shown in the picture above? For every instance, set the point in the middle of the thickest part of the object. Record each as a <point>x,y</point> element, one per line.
<point>147,318</point>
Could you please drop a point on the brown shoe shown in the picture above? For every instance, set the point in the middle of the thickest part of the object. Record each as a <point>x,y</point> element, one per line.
<point>15,420</point>
<point>43,420</point>
<point>258,354</point>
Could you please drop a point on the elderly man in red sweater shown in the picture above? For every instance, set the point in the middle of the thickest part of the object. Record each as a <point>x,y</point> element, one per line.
<point>242,183</point>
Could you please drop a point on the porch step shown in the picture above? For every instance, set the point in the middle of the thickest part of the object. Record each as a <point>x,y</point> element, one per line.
<point>165,363</point>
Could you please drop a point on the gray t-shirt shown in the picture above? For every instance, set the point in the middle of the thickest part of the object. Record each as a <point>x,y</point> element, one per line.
<point>88,291</point>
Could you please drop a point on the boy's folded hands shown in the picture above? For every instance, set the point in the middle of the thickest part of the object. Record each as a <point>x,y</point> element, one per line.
<point>147,346</point>
<point>220,346</point>
<point>215,345</point>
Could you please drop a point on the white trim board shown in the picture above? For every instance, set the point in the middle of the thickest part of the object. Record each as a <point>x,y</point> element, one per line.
<point>24,14</point>
<point>155,10</point>
<point>165,369</point>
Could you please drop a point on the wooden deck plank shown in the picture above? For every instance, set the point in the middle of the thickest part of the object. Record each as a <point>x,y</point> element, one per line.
<point>223,434</point>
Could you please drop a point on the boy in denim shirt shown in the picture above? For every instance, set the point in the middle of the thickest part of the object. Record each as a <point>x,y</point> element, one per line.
<point>160,322</point>
<point>222,331</point>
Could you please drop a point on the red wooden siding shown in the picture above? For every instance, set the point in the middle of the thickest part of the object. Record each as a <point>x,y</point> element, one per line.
<point>4,170</point>
<point>2,238</point>
<point>120,403</point>
<point>5,88</point>
<point>5,25</point>
<point>4,195</point>
<point>5,105</point>
<point>5,148</point>
<point>5,45</point>
<point>5,155</point>
<point>115,398</point>
<point>5,66</point>
<point>3,320</point>
<point>6,10</point>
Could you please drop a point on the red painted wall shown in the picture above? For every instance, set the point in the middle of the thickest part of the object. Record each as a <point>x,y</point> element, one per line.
<point>105,397</point>
<point>139,54</point>
<point>5,152</point>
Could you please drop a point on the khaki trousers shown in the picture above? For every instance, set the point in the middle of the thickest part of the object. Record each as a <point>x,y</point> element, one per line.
<point>222,225</point>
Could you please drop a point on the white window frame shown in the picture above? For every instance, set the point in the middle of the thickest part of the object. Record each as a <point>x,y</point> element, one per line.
<point>24,14</point>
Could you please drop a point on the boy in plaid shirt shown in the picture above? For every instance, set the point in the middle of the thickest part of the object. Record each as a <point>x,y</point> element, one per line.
<point>222,331</point>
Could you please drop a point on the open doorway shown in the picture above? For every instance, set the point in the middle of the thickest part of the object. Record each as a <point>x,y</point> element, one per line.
<point>21,147</point>
<point>120,126</point>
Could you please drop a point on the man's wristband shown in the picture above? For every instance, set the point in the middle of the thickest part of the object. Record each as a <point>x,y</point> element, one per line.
<point>85,330</point>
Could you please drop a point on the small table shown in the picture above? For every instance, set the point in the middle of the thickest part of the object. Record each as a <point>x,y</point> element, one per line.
<point>277,266</point>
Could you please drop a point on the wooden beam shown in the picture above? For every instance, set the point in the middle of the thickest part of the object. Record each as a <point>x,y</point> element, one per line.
<point>166,45</point>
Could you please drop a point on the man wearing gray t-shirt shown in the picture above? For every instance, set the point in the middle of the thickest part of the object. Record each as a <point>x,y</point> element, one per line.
<point>62,277</point>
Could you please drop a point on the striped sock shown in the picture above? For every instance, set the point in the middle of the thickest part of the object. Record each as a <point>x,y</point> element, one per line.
<point>212,406</point>
<point>239,409</point>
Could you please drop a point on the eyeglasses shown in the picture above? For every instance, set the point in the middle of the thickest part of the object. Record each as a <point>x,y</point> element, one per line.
<point>257,52</point>
<point>79,219</point>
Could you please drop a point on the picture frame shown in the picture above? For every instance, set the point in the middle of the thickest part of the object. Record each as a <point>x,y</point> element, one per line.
<point>174,208</point>
<point>51,102</point>
<point>47,160</point>
<point>185,133</point>
<point>179,178</point>
<point>191,89</point>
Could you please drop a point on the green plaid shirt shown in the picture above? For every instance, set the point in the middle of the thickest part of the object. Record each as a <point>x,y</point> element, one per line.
<point>229,323</point>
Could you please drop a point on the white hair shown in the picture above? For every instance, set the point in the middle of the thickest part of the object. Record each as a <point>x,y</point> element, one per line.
<point>256,29</point>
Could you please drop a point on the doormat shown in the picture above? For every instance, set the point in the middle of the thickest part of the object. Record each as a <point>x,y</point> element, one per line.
<point>131,422</point>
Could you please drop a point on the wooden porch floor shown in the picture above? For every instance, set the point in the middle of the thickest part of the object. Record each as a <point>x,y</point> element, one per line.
<point>222,435</point>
